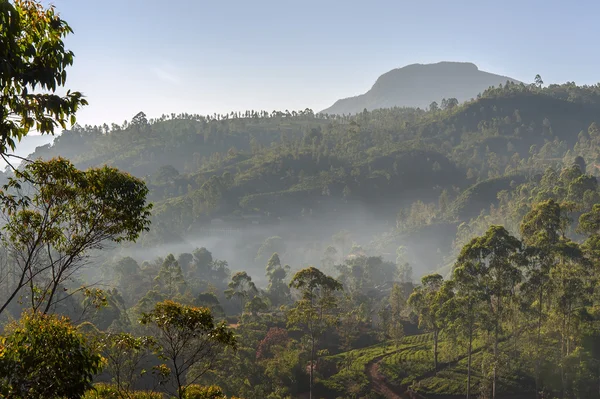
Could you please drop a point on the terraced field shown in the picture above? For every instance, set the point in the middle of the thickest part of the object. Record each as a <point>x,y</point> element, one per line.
<point>351,376</point>
<point>390,371</point>
<point>452,379</point>
<point>404,367</point>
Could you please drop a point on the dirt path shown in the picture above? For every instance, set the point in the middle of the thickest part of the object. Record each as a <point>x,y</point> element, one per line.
<point>378,382</point>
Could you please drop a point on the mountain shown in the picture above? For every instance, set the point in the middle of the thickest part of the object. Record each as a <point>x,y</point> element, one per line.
<point>418,85</point>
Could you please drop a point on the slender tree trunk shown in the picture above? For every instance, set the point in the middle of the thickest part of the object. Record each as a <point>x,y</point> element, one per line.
<point>312,364</point>
<point>470,349</point>
<point>562,356</point>
<point>495,361</point>
<point>496,330</point>
<point>12,296</point>
<point>435,350</point>
<point>538,344</point>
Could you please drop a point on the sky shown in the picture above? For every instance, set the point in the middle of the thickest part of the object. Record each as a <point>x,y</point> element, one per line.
<point>205,57</point>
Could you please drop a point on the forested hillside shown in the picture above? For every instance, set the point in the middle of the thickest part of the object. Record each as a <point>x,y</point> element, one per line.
<point>304,177</point>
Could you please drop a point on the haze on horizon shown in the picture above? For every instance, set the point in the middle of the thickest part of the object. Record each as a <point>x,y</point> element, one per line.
<point>221,56</point>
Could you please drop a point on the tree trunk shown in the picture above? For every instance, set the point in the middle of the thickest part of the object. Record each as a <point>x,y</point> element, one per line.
<point>470,349</point>
<point>562,356</point>
<point>539,337</point>
<point>435,351</point>
<point>312,365</point>
<point>495,361</point>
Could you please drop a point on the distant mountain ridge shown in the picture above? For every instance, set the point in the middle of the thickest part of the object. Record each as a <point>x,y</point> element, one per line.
<point>418,85</point>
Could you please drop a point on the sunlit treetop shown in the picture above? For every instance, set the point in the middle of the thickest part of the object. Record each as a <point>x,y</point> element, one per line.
<point>32,68</point>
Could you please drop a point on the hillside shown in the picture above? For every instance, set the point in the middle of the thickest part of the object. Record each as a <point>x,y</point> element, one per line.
<point>418,85</point>
<point>389,176</point>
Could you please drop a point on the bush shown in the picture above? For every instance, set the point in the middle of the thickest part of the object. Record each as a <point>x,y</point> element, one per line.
<point>44,356</point>
<point>201,392</point>
<point>108,391</point>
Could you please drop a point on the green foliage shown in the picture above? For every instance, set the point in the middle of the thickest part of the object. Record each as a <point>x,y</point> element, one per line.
<point>108,391</point>
<point>202,392</point>
<point>33,56</point>
<point>241,287</point>
<point>189,339</point>
<point>68,213</point>
<point>43,356</point>
<point>314,312</point>
<point>124,357</point>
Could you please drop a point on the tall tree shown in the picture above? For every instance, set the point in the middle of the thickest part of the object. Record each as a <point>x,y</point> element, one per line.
<point>314,311</point>
<point>497,255</point>
<point>277,290</point>
<point>170,278</point>
<point>464,310</point>
<point>397,304</point>
<point>541,232</point>
<point>428,300</point>
<point>241,287</point>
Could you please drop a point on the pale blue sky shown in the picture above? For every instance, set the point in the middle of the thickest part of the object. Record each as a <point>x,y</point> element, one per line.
<point>217,56</point>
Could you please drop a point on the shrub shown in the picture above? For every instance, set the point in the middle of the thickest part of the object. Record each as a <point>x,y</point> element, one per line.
<point>109,391</point>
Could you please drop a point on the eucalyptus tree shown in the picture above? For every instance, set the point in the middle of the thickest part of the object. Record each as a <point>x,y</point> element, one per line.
<point>242,287</point>
<point>464,311</point>
<point>428,300</point>
<point>497,256</point>
<point>314,312</point>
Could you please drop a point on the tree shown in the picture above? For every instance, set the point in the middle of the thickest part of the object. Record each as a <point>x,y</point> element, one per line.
<point>313,312</point>
<point>497,256</point>
<point>434,107</point>
<point>451,103</point>
<point>270,246</point>
<point>241,287</point>
<point>580,162</point>
<point>124,355</point>
<point>427,301</point>
<point>189,339</point>
<point>256,305</point>
<point>541,232</point>
<point>32,45</point>
<point>277,290</point>
<point>463,311</point>
<point>405,272</point>
<point>329,258</point>
<point>44,357</point>
<point>129,276</point>
<point>538,81</point>
<point>166,174</point>
<point>170,278</point>
<point>53,224</point>
<point>210,300</point>
<point>397,305</point>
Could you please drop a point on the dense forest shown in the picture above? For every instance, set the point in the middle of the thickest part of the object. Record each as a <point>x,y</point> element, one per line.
<point>446,252</point>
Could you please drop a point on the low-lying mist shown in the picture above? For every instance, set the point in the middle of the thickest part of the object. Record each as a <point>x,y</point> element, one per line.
<point>302,242</point>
